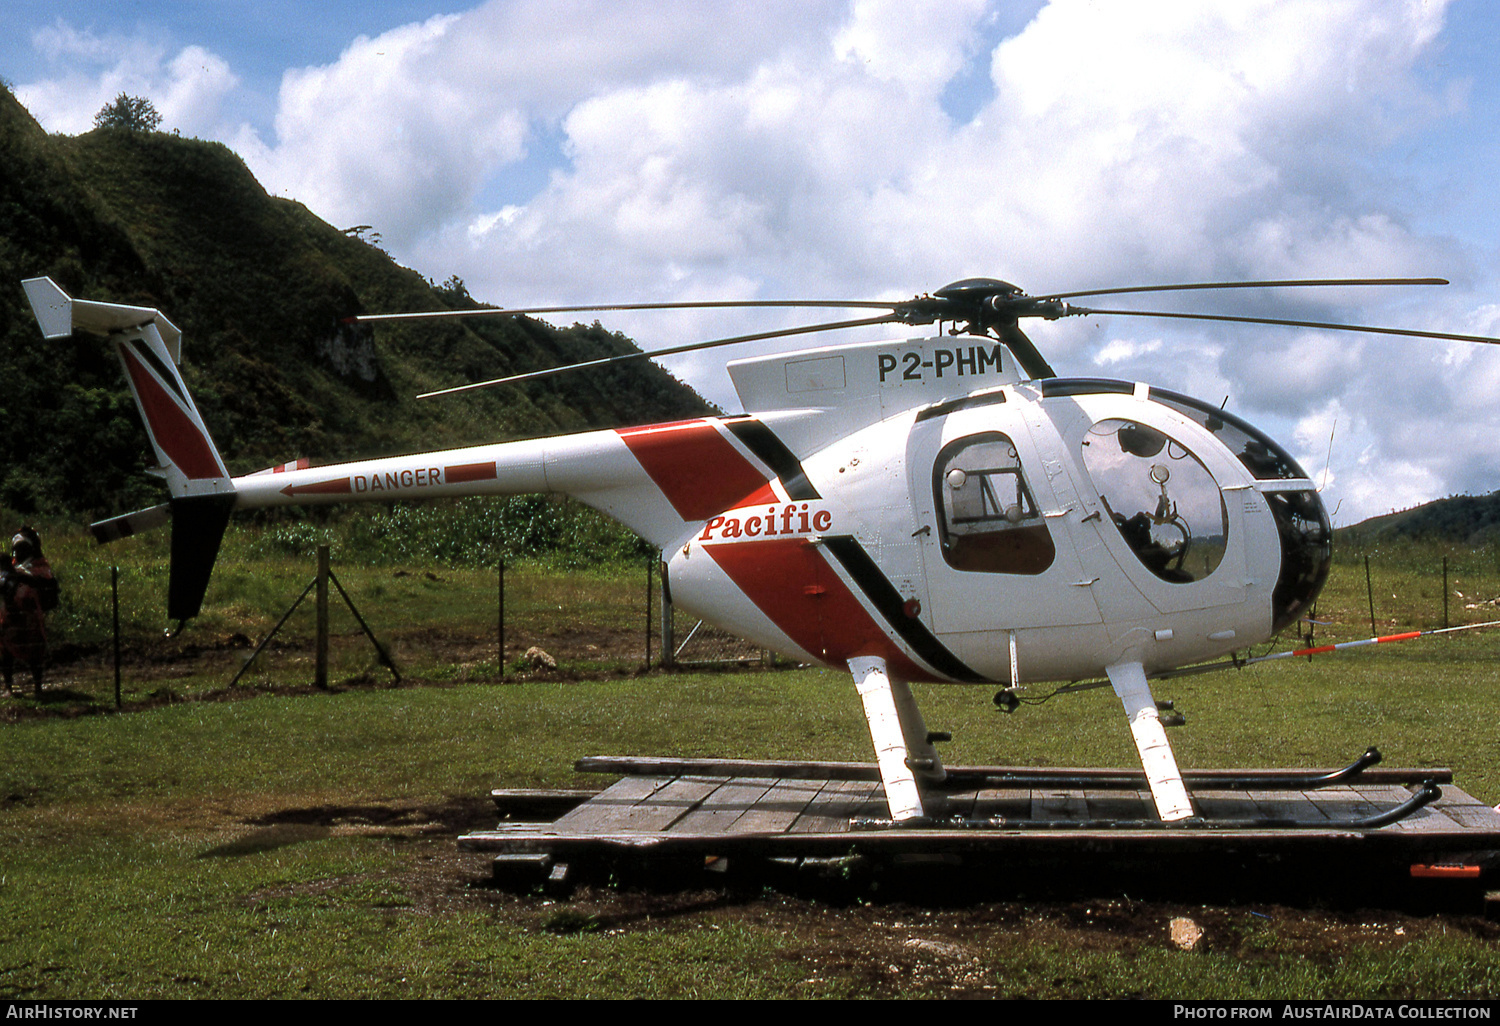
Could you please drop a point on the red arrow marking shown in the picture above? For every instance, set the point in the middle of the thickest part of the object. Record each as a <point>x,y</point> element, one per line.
<point>338,486</point>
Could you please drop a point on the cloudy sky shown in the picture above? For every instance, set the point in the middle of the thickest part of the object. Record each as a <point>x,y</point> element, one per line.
<point>548,151</point>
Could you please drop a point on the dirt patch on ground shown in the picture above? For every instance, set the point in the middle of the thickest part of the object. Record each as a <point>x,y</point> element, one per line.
<point>79,681</point>
<point>891,947</point>
<point>878,942</point>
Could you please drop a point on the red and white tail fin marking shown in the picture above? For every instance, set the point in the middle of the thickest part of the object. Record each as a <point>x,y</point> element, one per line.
<point>172,421</point>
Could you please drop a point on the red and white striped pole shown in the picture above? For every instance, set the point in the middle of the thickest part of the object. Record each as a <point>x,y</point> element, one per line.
<point>1407,636</point>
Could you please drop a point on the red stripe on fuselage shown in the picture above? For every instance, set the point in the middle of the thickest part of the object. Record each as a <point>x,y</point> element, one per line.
<point>462,472</point>
<point>791,582</point>
<point>697,468</point>
<point>183,441</point>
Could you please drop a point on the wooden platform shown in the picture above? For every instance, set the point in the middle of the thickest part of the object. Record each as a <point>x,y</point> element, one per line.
<point>680,813</point>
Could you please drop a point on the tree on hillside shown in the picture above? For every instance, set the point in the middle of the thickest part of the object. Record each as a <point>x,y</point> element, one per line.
<point>132,113</point>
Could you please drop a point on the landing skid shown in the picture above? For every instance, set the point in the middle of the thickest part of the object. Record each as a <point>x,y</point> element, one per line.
<point>1425,793</point>
<point>1223,792</point>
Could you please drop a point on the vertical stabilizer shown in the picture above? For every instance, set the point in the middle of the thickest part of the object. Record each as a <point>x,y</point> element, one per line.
<point>149,348</point>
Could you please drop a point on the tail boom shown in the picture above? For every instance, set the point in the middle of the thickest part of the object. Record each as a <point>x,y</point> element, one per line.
<point>662,481</point>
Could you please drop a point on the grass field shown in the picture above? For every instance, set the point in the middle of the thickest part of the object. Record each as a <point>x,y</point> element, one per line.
<point>295,844</point>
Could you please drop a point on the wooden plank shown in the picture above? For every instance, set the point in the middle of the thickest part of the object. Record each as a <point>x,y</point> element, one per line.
<point>1224,805</point>
<point>1426,821</point>
<point>1291,805</point>
<point>1298,806</point>
<point>1472,815</point>
<point>1052,804</point>
<point>959,804</point>
<point>665,806</point>
<point>646,765</point>
<point>874,805</point>
<point>1342,804</point>
<point>1008,803</point>
<point>1119,804</point>
<point>803,816</point>
<point>723,807</point>
<point>517,829</point>
<point>612,805</point>
<point>779,808</point>
<point>833,806</point>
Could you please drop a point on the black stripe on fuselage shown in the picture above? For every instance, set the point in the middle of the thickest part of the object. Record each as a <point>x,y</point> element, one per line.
<point>888,603</point>
<point>772,451</point>
<point>164,372</point>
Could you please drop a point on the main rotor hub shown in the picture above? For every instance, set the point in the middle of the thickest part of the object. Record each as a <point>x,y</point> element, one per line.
<point>978,290</point>
<point>982,304</point>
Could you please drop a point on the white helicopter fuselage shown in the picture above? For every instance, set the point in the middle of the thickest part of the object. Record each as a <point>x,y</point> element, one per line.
<point>907,510</point>
<point>825,539</point>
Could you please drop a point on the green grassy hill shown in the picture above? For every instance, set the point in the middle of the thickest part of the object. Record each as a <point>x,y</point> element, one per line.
<point>258,286</point>
<point>1460,519</point>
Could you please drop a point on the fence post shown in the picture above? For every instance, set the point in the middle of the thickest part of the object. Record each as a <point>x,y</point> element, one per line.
<point>1445,592</point>
<point>320,671</point>
<point>114,594</point>
<point>1370,592</point>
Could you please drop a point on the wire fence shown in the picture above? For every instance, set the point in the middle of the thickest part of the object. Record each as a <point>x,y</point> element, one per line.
<point>586,620</point>
<point>1414,587</point>
<point>696,642</point>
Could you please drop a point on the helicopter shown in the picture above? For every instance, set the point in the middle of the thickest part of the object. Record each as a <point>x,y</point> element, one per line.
<point>933,509</point>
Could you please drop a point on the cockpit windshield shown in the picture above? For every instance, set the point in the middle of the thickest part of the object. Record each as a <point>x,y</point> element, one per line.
<point>1261,456</point>
<point>1154,533</point>
<point>1162,499</point>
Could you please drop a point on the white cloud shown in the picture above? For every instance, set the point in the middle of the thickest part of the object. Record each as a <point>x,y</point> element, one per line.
<point>801,149</point>
<point>187,89</point>
<point>1121,350</point>
<point>1123,144</point>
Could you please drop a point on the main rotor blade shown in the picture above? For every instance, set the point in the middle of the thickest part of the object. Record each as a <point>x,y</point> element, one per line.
<point>839,304</point>
<point>689,348</point>
<point>1410,332</point>
<point>1293,283</point>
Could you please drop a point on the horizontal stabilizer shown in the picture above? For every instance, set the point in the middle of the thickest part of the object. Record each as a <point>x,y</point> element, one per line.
<point>60,315</point>
<point>115,528</point>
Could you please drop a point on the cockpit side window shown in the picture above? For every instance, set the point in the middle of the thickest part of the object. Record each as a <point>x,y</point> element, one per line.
<point>988,521</point>
<point>1164,502</point>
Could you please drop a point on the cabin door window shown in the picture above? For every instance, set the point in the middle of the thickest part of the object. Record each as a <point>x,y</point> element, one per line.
<point>989,521</point>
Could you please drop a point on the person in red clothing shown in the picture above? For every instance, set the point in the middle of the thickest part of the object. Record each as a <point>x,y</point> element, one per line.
<point>28,590</point>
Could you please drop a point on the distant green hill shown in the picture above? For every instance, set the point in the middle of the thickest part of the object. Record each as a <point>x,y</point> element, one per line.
<point>258,286</point>
<point>1464,519</point>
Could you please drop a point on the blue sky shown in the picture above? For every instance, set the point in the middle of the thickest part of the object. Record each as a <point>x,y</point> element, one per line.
<point>632,150</point>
